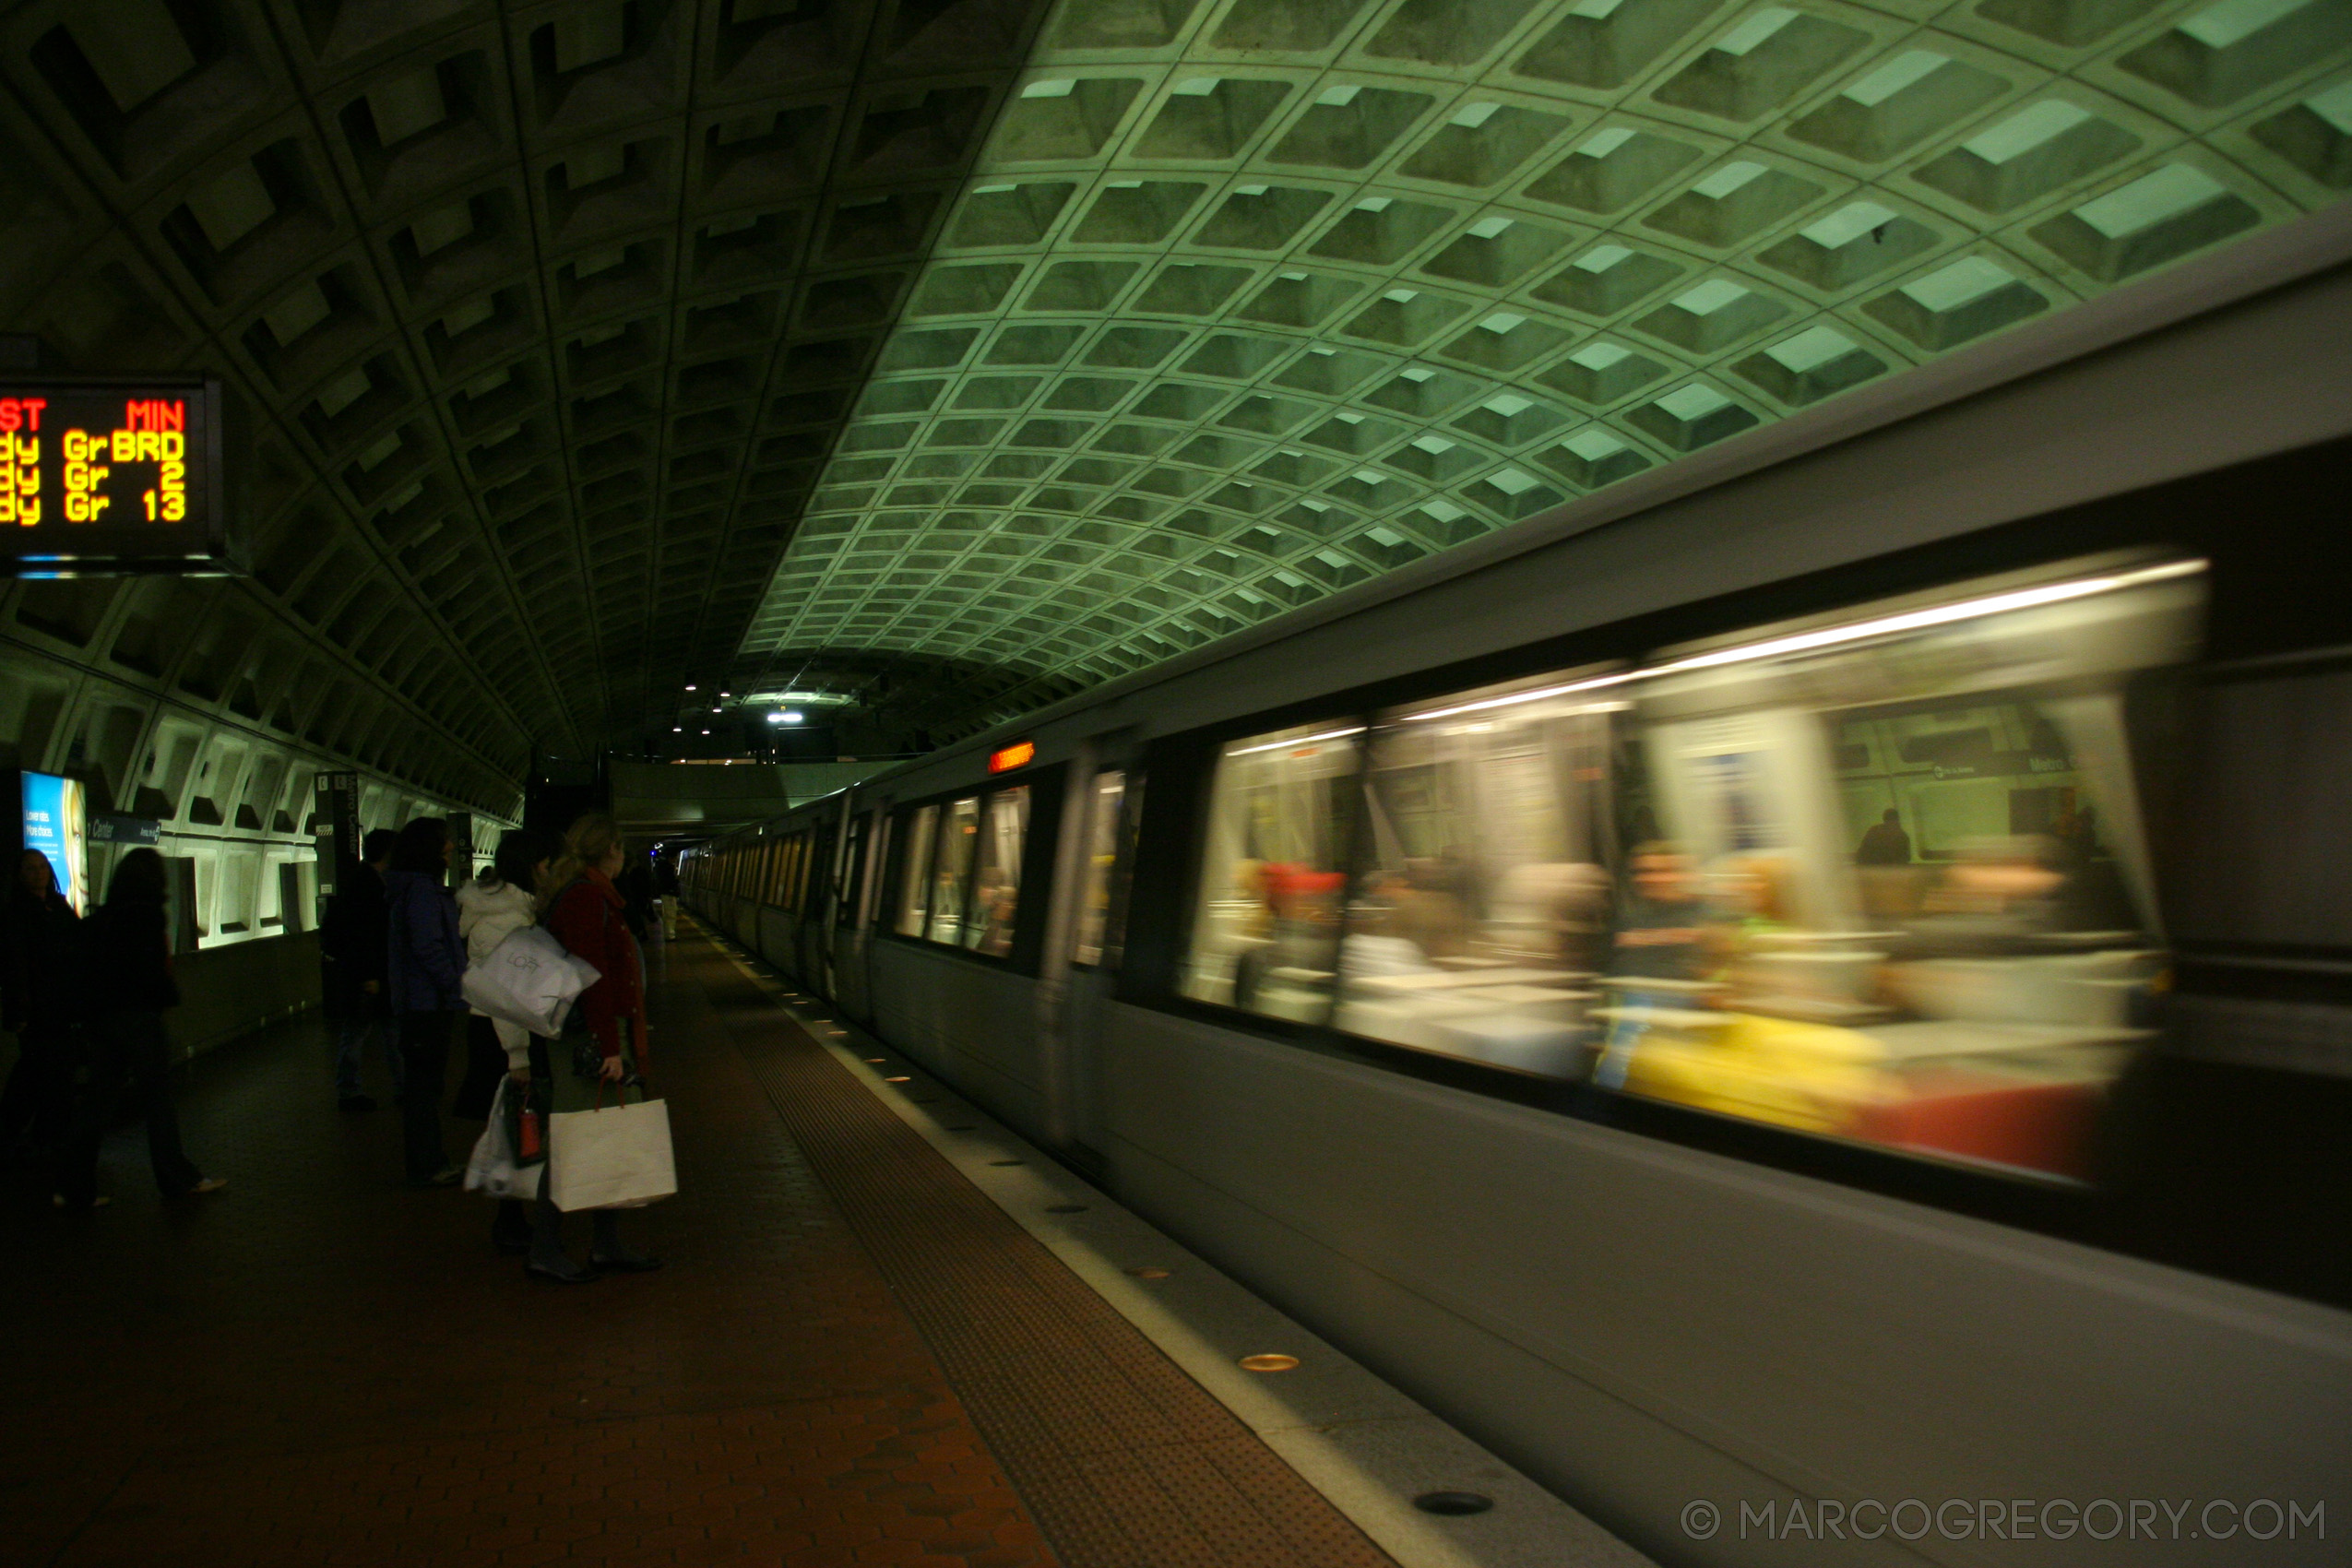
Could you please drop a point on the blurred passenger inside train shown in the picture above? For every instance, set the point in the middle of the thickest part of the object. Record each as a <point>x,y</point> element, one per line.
<point>1292,939</point>
<point>129,954</point>
<point>1661,929</point>
<point>994,902</point>
<point>1885,844</point>
<point>352,951</point>
<point>1997,895</point>
<point>42,992</point>
<point>425,960</point>
<point>1379,940</point>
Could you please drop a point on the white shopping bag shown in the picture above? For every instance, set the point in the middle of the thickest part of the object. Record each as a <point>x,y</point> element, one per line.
<point>493,1171</point>
<point>616,1156</point>
<point>530,980</point>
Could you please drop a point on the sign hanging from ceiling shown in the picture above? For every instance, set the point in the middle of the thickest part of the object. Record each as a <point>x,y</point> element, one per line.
<point>109,476</point>
<point>1018,755</point>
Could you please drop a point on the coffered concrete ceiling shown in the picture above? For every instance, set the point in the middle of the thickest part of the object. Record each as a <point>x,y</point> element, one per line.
<point>945,356</point>
<point>1248,300</point>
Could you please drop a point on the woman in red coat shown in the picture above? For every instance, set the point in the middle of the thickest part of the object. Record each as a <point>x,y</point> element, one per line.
<point>582,911</point>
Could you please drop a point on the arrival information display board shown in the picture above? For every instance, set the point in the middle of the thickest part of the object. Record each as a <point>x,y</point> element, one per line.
<point>111,476</point>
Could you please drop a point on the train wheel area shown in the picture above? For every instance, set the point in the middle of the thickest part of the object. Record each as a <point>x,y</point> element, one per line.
<point>884,1333</point>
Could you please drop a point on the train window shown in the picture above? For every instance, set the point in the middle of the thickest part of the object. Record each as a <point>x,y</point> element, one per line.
<point>1266,932</point>
<point>997,881</point>
<point>1886,879</point>
<point>1481,907</point>
<point>914,893</point>
<point>951,880</point>
<point>1122,872</point>
<point>1102,857</point>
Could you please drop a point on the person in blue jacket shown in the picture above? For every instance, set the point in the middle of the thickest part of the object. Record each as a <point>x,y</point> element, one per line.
<point>424,977</point>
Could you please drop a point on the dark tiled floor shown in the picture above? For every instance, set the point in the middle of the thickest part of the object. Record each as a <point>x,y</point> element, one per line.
<point>850,1353</point>
<point>317,1367</point>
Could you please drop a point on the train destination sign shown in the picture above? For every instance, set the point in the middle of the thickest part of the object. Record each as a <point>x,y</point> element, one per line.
<point>100,476</point>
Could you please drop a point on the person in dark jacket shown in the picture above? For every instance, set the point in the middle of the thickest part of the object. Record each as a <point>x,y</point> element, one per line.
<point>1885,843</point>
<point>40,1002</point>
<point>350,942</point>
<point>130,956</point>
<point>424,979</point>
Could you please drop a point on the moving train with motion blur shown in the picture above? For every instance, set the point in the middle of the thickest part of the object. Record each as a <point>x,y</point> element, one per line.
<point>1821,974</point>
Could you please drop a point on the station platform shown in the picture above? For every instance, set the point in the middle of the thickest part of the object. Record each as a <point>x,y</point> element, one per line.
<point>858,1352</point>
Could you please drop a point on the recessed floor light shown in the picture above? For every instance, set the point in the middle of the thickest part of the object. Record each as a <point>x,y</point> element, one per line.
<point>1452,1504</point>
<point>899,1078</point>
<point>1272,1363</point>
<point>1148,1271</point>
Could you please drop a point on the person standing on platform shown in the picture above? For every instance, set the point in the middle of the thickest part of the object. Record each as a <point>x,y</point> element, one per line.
<point>350,945</point>
<point>425,972</point>
<point>582,911</point>
<point>129,954</point>
<point>491,909</point>
<point>42,996</point>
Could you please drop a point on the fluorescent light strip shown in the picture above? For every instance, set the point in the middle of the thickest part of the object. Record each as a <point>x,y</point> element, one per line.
<point>1857,631</point>
<point>1940,615</point>
<point>1594,683</point>
<point>1302,741</point>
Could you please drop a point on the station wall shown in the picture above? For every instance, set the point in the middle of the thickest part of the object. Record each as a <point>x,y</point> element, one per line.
<point>151,693</point>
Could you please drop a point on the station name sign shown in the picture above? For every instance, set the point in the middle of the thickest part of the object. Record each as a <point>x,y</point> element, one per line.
<point>109,476</point>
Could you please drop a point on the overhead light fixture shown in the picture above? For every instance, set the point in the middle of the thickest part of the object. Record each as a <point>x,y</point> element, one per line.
<point>787,716</point>
<point>706,731</point>
<point>677,729</point>
<point>690,688</point>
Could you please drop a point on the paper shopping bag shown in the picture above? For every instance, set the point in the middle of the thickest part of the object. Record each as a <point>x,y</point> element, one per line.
<point>612,1158</point>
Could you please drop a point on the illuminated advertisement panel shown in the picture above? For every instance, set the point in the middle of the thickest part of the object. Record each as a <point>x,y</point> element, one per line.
<point>109,476</point>
<point>56,825</point>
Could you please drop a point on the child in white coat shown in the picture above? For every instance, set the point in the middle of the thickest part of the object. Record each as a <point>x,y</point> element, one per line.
<point>491,909</point>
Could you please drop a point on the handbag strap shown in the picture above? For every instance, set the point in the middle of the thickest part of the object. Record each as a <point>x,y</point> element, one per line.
<point>644,1091</point>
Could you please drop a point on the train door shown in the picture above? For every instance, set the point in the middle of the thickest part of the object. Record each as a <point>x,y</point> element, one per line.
<point>862,909</point>
<point>1084,938</point>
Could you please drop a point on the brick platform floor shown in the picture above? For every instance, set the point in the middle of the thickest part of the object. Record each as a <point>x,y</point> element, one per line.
<point>320,1367</point>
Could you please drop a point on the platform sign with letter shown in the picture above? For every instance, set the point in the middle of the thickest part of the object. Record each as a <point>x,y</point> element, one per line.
<point>108,476</point>
<point>57,827</point>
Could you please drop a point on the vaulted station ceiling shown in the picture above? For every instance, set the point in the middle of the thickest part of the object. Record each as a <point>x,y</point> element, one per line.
<point>1248,300</point>
<point>946,355</point>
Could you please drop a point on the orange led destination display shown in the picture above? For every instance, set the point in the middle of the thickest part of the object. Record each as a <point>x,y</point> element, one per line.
<point>1011,758</point>
<point>99,476</point>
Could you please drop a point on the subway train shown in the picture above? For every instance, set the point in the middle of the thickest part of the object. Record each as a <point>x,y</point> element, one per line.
<point>1814,980</point>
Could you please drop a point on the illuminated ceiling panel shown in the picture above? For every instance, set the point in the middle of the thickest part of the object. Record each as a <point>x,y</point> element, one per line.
<point>1248,299</point>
